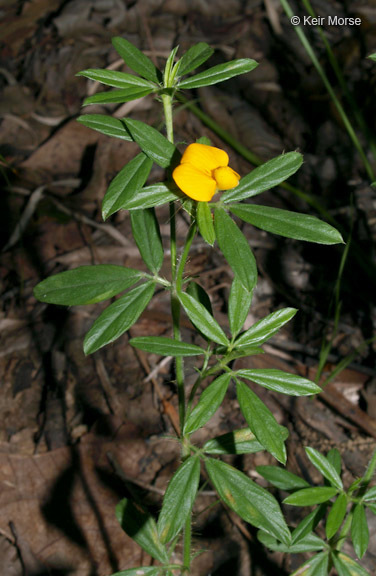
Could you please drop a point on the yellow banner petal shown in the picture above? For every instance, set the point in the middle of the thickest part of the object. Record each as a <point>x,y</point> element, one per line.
<point>194,183</point>
<point>205,158</point>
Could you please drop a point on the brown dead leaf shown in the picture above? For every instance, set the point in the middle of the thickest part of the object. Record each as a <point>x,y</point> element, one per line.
<point>15,31</point>
<point>62,153</point>
<point>62,503</point>
<point>9,561</point>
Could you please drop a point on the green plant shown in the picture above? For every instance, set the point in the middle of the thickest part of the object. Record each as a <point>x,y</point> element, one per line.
<point>346,514</point>
<point>91,284</point>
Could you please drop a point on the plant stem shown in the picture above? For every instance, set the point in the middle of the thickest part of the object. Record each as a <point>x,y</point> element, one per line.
<point>327,345</point>
<point>176,282</point>
<point>187,543</point>
<point>197,383</point>
<point>184,256</point>
<point>167,109</point>
<point>179,365</point>
<point>175,304</point>
<point>345,530</point>
<point>366,480</point>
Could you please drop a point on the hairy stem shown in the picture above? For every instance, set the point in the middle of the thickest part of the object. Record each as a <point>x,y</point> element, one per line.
<point>187,543</point>
<point>176,281</point>
<point>184,256</point>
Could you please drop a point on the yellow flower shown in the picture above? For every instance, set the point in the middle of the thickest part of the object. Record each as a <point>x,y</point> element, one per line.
<point>203,170</point>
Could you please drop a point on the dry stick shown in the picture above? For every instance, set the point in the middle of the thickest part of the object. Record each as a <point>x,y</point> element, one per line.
<point>168,408</point>
<point>128,479</point>
<point>30,208</point>
<point>106,228</point>
<point>330,396</point>
<point>148,487</point>
<point>36,196</point>
<point>109,393</point>
<point>154,373</point>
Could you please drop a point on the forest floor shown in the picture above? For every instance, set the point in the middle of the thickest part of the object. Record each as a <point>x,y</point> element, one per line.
<point>78,433</point>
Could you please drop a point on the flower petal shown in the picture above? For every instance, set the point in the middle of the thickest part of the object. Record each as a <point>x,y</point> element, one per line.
<point>226,178</point>
<point>194,183</point>
<point>205,158</point>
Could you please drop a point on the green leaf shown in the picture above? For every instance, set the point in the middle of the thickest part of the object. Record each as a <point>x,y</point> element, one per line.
<point>126,184</point>
<point>346,566</point>
<point>265,328</point>
<point>325,467</point>
<point>209,402</point>
<point>288,224</point>
<point>355,485</point>
<point>238,306</point>
<point>165,346</point>
<point>178,499</point>
<point>242,352</point>
<point>261,421</point>
<point>235,249</point>
<point>370,494</point>
<point>147,236</point>
<point>204,140</point>
<point>117,96</point>
<point>309,523</point>
<point>315,566</point>
<point>151,142</point>
<point>141,527</point>
<point>205,222</point>
<point>336,516</point>
<point>372,56</point>
<point>116,79</point>
<point>140,571</point>
<point>310,543</point>
<point>148,197</point>
<point>251,502</point>
<point>105,125</point>
<point>86,284</point>
<point>280,381</point>
<point>219,73</point>
<point>265,177</point>
<point>281,478</point>
<point>194,57</point>
<point>136,60</point>
<point>203,320</point>
<point>171,69</point>
<point>241,441</point>
<point>311,496</point>
<point>371,506</point>
<point>334,457</point>
<point>118,317</point>
<point>359,531</point>
<point>198,293</point>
